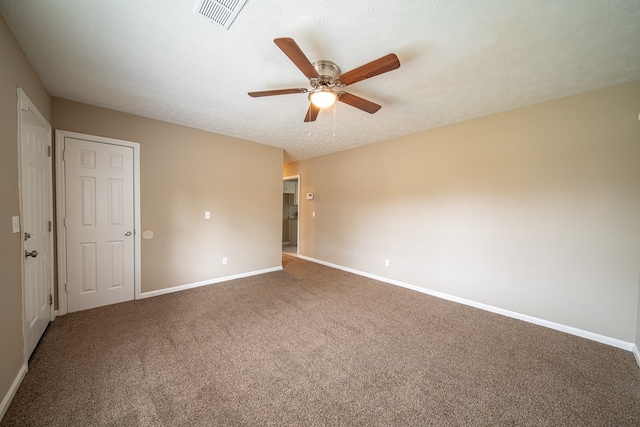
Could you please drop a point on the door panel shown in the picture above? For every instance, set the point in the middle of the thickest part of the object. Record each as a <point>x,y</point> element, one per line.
<point>37,212</point>
<point>99,223</point>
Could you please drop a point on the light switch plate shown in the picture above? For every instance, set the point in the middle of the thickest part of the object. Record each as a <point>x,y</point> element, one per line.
<point>309,196</point>
<point>15,224</point>
<point>207,215</point>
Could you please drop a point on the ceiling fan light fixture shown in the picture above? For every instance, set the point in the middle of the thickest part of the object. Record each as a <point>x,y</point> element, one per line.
<point>323,98</point>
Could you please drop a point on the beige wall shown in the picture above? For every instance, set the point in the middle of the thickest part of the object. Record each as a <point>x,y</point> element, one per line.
<point>535,210</point>
<point>185,172</point>
<point>15,72</point>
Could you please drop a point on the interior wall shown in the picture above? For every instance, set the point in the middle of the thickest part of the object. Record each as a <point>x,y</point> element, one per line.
<point>535,210</point>
<point>183,173</point>
<point>15,72</point>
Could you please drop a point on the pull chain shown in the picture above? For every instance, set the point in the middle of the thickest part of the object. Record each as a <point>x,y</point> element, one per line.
<point>334,119</point>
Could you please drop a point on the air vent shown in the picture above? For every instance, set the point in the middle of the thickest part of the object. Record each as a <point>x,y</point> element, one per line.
<point>221,12</point>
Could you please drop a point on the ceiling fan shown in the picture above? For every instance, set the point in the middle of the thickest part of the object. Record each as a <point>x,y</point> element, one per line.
<point>326,80</point>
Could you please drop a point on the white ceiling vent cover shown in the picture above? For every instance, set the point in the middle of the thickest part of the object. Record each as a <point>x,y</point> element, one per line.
<point>221,12</point>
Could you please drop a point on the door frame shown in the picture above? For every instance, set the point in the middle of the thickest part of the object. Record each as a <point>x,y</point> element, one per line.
<point>297,177</point>
<point>24,103</point>
<point>61,211</point>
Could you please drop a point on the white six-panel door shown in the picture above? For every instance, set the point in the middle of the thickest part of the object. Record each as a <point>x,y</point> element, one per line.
<point>99,223</point>
<point>37,214</point>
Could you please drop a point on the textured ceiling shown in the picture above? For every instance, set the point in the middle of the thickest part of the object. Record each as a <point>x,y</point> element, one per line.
<point>460,60</point>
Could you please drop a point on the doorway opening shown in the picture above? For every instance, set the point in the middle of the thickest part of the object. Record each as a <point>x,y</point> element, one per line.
<point>290,224</point>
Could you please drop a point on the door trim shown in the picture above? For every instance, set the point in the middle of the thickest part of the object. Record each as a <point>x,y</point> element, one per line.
<point>299,208</point>
<point>24,101</point>
<point>61,214</point>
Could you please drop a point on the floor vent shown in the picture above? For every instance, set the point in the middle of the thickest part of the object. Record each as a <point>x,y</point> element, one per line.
<point>221,12</point>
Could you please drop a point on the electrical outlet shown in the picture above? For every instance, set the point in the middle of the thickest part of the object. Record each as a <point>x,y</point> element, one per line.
<point>224,260</point>
<point>207,215</point>
<point>314,214</point>
<point>386,262</point>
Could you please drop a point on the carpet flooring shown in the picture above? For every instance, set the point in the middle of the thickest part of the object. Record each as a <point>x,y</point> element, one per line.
<point>312,346</point>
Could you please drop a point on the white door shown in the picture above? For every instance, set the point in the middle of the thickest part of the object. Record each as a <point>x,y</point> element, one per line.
<point>99,223</point>
<point>37,214</point>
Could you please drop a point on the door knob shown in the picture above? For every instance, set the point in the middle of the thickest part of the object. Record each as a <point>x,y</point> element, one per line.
<point>27,254</point>
<point>127,233</point>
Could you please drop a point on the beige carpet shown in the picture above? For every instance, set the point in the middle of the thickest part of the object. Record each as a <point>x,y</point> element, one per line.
<point>311,345</point>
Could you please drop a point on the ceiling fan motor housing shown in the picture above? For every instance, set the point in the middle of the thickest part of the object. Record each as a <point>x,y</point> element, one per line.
<point>328,71</point>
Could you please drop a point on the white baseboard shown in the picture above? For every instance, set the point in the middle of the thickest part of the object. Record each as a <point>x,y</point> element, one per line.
<point>636,353</point>
<point>6,401</point>
<point>206,282</point>
<point>541,322</point>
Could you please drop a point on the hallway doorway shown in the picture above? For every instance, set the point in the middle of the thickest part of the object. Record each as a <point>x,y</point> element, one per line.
<point>290,226</point>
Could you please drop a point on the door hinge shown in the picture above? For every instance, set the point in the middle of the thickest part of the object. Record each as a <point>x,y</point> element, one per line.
<point>50,299</point>
<point>49,225</point>
<point>48,151</point>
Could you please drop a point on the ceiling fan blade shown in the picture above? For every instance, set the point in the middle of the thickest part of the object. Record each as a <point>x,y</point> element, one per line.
<point>360,103</point>
<point>381,65</point>
<point>277,92</point>
<point>312,113</point>
<point>295,54</point>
